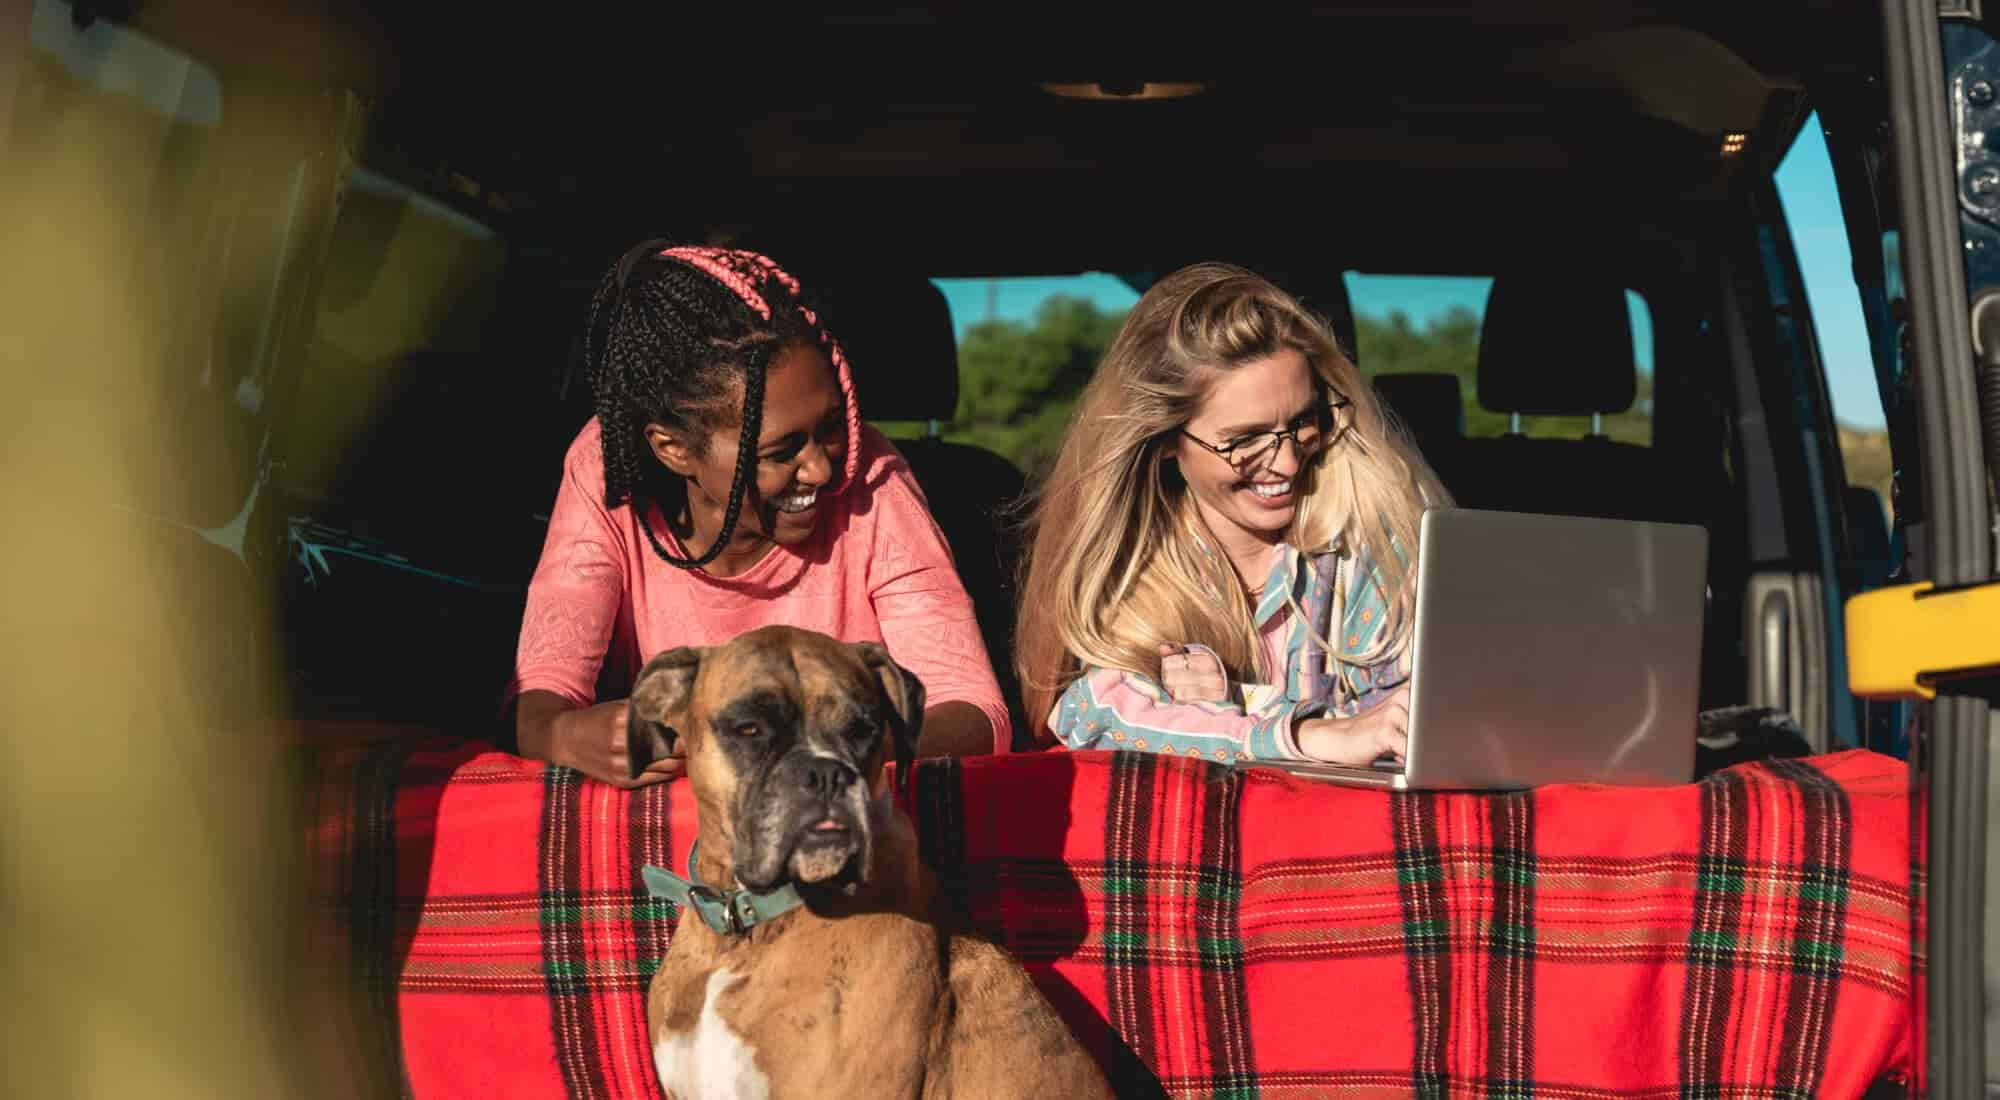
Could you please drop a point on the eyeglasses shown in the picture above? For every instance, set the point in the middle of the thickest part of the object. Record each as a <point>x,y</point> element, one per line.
<point>1321,425</point>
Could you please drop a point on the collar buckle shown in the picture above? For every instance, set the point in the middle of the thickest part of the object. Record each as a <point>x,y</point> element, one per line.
<point>712,901</point>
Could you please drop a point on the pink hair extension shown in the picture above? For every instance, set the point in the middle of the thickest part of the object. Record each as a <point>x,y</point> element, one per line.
<point>702,260</point>
<point>728,266</point>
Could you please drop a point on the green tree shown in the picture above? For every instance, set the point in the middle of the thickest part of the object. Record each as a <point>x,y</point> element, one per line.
<point>1019,381</point>
<point>1449,344</point>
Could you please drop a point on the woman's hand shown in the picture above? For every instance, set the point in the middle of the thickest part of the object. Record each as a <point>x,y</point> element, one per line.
<point>1192,676</point>
<point>1357,741</point>
<point>593,741</point>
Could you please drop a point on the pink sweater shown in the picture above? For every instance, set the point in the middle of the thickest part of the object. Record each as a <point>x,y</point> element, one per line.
<point>876,569</point>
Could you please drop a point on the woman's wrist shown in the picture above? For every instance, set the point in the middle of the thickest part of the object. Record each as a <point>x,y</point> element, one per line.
<point>1307,735</point>
<point>1331,740</point>
<point>539,728</point>
<point>1307,730</point>
<point>540,741</point>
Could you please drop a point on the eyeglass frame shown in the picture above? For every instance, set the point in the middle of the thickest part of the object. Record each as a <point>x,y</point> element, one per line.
<point>1277,437</point>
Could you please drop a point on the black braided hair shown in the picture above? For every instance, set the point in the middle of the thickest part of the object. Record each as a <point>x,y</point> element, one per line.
<point>664,342</point>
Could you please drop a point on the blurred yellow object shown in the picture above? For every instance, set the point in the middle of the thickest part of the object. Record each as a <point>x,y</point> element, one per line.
<point>1902,641</point>
<point>162,227</point>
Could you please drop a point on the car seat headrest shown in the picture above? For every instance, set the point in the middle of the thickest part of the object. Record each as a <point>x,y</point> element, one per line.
<point>1556,344</point>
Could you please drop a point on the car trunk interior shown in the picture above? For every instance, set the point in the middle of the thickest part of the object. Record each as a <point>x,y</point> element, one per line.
<point>364,236</point>
<point>504,160</point>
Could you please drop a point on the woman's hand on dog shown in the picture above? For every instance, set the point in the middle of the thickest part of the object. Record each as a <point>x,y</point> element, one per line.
<point>1357,741</point>
<point>593,741</point>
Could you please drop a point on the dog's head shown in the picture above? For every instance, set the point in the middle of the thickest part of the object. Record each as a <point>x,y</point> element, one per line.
<point>785,733</point>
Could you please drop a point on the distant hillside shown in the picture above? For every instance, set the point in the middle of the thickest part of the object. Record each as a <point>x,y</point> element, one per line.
<point>1865,453</point>
<point>1449,344</point>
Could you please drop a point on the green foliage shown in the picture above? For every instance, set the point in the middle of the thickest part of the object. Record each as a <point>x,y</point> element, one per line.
<point>1450,345</point>
<point>1019,382</point>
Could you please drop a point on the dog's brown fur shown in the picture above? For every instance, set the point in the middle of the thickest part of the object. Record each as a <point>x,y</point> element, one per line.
<point>882,993</point>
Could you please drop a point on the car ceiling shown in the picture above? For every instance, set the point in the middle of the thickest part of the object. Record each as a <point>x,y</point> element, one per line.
<point>925,137</point>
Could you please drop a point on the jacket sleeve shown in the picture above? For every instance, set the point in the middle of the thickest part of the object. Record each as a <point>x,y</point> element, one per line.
<point>1109,709</point>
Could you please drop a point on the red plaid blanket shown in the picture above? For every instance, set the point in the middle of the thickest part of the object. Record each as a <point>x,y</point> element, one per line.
<point>1206,932</point>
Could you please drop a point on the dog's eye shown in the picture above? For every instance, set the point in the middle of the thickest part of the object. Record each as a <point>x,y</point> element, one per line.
<point>746,729</point>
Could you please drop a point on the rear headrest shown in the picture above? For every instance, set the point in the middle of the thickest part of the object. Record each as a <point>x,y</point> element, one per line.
<point>899,340</point>
<point>1556,344</point>
<point>1429,404</point>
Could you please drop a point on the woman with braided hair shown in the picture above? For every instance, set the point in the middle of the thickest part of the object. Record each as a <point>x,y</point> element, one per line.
<point>727,483</point>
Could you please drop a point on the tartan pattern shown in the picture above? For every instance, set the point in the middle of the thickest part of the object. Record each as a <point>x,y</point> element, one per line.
<point>1420,883</point>
<point>1510,1061</point>
<point>1724,941</point>
<point>1170,946</point>
<point>1205,932</point>
<point>351,846</point>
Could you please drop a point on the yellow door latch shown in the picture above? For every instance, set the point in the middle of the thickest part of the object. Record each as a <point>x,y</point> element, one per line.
<point>1903,641</point>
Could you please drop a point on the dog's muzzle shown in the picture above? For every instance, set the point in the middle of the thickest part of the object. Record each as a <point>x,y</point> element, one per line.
<point>804,820</point>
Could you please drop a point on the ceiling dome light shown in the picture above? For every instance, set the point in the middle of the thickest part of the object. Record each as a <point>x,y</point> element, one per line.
<point>1125,90</point>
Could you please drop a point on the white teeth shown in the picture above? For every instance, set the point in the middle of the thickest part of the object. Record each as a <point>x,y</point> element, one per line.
<point>797,502</point>
<point>1273,489</point>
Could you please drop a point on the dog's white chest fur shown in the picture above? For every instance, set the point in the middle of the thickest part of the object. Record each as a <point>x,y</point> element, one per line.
<point>710,1062</point>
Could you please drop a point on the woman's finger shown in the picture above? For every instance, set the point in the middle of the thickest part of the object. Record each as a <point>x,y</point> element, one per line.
<point>1394,739</point>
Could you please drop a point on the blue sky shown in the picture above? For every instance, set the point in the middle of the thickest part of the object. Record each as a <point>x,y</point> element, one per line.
<point>1812,211</point>
<point>1016,299</point>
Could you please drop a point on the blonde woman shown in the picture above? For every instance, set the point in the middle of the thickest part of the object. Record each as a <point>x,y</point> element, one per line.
<point>1221,556</point>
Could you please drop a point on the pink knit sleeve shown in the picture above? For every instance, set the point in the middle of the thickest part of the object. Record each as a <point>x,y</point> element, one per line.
<point>574,597</point>
<point>925,615</point>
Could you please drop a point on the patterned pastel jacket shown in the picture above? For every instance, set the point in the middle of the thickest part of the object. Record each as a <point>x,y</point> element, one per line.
<point>1109,709</point>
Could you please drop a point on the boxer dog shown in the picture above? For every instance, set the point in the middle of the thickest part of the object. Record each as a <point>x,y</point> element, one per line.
<point>815,955</point>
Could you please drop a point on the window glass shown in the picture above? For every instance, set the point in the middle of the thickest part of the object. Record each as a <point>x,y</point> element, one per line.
<point>1430,324</point>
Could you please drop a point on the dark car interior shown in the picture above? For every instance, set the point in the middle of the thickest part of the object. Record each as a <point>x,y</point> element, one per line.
<point>1573,153</point>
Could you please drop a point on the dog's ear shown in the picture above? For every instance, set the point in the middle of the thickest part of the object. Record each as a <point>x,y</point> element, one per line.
<point>655,716</point>
<point>905,694</point>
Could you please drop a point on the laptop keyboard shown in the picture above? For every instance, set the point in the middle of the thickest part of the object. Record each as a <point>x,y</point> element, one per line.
<point>1386,762</point>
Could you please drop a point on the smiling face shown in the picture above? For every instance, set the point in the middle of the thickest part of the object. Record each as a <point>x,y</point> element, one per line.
<point>1245,494</point>
<point>801,448</point>
<point>785,733</point>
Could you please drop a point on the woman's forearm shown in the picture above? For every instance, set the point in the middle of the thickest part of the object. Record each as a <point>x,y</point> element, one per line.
<point>955,729</point>
<point>535,714</point>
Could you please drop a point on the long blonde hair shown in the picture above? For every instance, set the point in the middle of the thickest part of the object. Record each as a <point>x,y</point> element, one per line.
<point>1117,564</point>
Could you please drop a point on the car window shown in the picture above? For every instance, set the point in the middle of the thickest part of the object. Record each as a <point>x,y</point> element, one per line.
<point>1026,347</point>
<point>1811,203</point>
<point>1430,324</point>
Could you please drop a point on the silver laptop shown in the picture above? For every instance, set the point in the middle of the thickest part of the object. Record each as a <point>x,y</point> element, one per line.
<point>1548,649</point>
